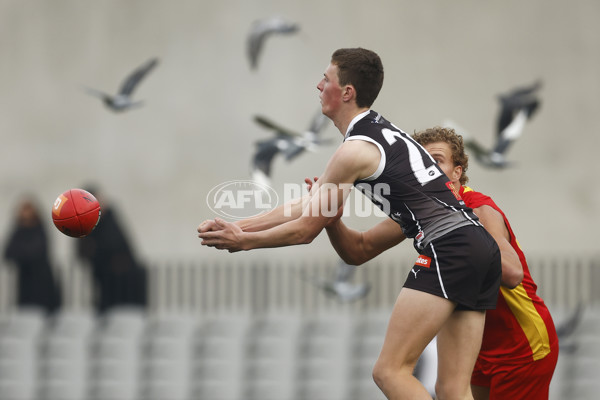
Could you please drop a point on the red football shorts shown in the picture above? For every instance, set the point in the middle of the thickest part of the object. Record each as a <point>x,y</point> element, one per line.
<point>529,381</point>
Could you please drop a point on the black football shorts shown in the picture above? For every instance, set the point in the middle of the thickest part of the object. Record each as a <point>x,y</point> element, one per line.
<point>462,266</point>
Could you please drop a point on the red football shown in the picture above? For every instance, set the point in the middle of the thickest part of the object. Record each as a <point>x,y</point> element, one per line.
<point>76,213</point>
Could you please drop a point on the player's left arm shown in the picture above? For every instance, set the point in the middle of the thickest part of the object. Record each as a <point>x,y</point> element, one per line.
<point>493,222</point>
<point>353,160</point>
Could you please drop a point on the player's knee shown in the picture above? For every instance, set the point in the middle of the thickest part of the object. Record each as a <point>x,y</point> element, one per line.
<point>380,374</point>
<point>384,373</point>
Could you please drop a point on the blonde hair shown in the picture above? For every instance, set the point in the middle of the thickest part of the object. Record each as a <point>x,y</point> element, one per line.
<point>457,147</point>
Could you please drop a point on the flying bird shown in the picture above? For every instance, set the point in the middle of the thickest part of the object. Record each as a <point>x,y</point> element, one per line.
<point>566,327</point>
<point>286,142</point>
<point>259,32</point>
<point>122,101</point>
<point>341,287</point>
<point>517,107</point>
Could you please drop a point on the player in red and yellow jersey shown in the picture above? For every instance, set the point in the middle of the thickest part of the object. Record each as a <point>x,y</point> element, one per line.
<point>520,346</point>
<point>519,350</point>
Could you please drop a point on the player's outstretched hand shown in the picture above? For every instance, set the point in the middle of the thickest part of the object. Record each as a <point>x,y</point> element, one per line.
<point>223,235</point>
<point>208,225</point>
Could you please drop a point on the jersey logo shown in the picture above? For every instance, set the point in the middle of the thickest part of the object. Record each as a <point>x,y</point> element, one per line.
<point>453,190</point>
<point>423,261</point>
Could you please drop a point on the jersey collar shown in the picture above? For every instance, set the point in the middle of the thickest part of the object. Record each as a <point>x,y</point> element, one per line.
<point>464,189</point>
<point>355,120</point>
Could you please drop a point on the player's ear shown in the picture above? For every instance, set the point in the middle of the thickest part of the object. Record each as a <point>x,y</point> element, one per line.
<point>457,173</point>
<point>348,93</point>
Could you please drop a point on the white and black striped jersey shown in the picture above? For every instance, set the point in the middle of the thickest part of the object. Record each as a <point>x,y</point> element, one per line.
<point>408,185</point>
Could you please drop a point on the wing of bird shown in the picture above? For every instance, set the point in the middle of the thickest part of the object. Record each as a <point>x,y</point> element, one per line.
<point>98,93</point>
<point>318,122</point>
<point>266,150</point>
<point>136,76</point>
<point>349,292</point>
<point>476,148</point>
<point>518,99</point>
<point>521,96</point>
<point>343,291</point>
<point>269,124</point>
<point>312,136</point>
<point>294,149</point>
<point>516,108</point>
<point>566,328</point>
<point>290,143</point>
<point>483,155</point>
<point>344,272</point>
<point>469,142</point>
<point>448,123</point>
<point>260,30</point>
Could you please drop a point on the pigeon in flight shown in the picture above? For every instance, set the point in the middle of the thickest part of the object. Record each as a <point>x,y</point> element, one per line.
<point>566,328</point>
<point>287,142</point>
<point>122,101</point>
<point>516,108</point>
<point>341,287</point>
<point>259,32</point>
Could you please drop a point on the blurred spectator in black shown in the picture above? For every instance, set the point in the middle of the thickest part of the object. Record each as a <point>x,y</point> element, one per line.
<point>119,279</point>
<point>27,248</point>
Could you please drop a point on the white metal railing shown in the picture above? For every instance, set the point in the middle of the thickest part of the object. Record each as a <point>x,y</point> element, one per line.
<point>258,287</point>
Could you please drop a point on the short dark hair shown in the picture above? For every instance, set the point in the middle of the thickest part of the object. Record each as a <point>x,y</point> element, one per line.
<point>447,135</point>
<point>362,69</point>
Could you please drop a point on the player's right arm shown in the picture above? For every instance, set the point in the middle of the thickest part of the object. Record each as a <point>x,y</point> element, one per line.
<point>356,248</point>
<point>512,270</point>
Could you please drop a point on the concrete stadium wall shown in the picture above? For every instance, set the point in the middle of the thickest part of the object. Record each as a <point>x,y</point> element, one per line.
<point>157,164</point>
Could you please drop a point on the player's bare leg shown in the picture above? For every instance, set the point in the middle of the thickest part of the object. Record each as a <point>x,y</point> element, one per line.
<point>415,320</point>
<point>458,344</point>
